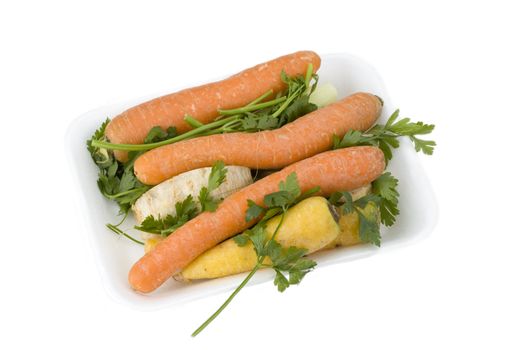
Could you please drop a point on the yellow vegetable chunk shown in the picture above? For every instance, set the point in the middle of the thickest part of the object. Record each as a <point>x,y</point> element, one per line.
<point>349,224</point>
<point>310,224</point>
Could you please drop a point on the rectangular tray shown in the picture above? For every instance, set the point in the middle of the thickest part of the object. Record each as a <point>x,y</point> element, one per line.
<point>115,255</point>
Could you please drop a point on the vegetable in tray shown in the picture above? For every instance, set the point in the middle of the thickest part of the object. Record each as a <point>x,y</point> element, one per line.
<point>183,164</point>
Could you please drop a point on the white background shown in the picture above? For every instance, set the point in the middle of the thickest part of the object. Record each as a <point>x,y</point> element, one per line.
<point>457,64</point>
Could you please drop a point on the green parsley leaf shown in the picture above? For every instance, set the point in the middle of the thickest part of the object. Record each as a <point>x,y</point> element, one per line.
<point>369,224</point>
<point>385,136</point>
<point>157,134</point>
<point>298,108</point>
<point>217,177</point>
<point>296,276</point>
<point>267,122</point>
<point>385,186</point>
<point>280,281</point>
<point>291,185</point>
<point>187,208</point>
<point>287,257</point>
<point>254,211</point>
<point>185,211</point>
<point>304,264</point>
<point>241,239</point>
<point>258,237</point>
<point>279,199</point>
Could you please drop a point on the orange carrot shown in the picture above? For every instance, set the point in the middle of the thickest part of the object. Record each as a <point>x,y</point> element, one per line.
<point>306,136</point>
<point>343,169</point>
<point>202,102</point>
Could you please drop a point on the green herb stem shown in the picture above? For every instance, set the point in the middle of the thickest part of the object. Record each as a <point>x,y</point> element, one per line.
<point>257,266</point>
<point>308,77</point>
<point>230,298</point>
<point>285,104</point>
<point>121,194</point>
<point>122,233</point>
<point>194,123</point>
<point>260,98</point>
<point>144,147</point>
<point>254,107</point>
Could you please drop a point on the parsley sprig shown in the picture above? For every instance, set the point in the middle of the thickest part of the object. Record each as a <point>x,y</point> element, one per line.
<point>184,212</point>
<point>385,136</point>
<point>379,206</point>
<point>216,178</point>
<point>260,114</point>
<point>289,264</point>
<point>116,180</point>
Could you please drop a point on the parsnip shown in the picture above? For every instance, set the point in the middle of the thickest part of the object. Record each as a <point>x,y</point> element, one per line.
<point>160,200</point>
<point>310,225</point>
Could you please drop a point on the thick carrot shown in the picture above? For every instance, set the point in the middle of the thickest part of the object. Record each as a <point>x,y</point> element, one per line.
<point>271,149</point>
<point>202,102</point>
<point>346,168</point>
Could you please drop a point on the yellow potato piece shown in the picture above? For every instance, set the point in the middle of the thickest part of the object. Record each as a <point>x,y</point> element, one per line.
<point>310,225</point>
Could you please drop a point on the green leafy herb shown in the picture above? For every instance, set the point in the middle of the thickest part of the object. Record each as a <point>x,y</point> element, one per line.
<point>385,136</point>
<point>289,264</point>
<point>157,134</point>
<point>298,108</point>
<point>185,211</point>
<point>379,206</point>
<point>385,187</point>
<point>116,181</point>
<point>254,211</point>
<point>260,114</point>
<point>369,231</point>
<point>217,177</point>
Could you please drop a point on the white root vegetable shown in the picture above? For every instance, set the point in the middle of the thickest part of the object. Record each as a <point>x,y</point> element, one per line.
<point>160,200</point>
<point>324,95</point>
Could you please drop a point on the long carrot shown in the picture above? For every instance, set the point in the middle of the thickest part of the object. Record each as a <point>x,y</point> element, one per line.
<point>202,102</point>
<point>347,169</point>
<point>308,135</point>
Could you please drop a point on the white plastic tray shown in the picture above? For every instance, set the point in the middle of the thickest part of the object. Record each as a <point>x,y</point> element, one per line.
<point>115,255</point>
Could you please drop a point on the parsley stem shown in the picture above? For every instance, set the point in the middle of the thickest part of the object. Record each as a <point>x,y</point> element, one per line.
<point>194,123</point>
<point>144,147</point>
<point>124,218</point>
<point>230,298</point>
<point>254,107</point>
<point>122,233</point>
<point>257,266</point>
<point>278,225</point>
<point>260,98</point>
<point>308,77</point>
<point>286,103</point>
<point>120,194</point>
